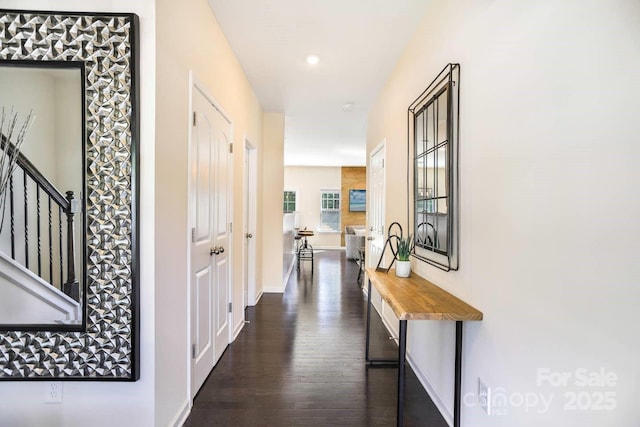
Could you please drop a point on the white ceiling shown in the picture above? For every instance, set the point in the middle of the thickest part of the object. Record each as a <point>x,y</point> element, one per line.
<point>358,43</point>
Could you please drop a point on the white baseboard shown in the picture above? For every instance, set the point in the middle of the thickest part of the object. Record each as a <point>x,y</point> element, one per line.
<point>273,289</point>
<point>422,377</point>
<point>237,330</point>
<point>288,275</point>
<point>181,417</point>
<point>433,394</point>
<point>258,297</point>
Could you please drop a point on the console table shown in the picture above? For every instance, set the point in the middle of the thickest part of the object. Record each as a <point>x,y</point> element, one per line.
<point>415,298</point>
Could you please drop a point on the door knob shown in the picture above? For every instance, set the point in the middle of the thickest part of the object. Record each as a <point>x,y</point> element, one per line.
<point>214,251</point>
<point>248,235</point>
<point>221,249</point>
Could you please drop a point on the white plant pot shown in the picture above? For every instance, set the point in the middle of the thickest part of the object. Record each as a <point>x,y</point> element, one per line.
<point>403,268</point>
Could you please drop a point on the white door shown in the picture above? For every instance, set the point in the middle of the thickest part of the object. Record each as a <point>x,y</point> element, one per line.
<point>221,256</point>
<point>376,206</point>
<point>249,293</point>
<point>208,210</point>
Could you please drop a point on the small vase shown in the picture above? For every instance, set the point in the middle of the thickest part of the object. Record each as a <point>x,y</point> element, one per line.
<point>403,268</point>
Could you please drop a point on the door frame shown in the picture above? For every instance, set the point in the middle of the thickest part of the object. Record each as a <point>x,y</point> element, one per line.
<point>381,147</point>
<point>197,84</point>
<point>250,222</point>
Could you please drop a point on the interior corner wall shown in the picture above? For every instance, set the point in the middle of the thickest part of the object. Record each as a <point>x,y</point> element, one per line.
<point>271,189</point>
<point>199,47</point>
<point>352,178</point>
<point>308,182</point>
<point>106,403</point>
<point>548,138</point>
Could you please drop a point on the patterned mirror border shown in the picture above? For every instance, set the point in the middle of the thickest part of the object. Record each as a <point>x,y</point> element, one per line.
<point>107,43</point>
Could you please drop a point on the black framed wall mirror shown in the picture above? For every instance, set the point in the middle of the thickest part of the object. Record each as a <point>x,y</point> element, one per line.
<point>433,160</point>
<point>68,245</point>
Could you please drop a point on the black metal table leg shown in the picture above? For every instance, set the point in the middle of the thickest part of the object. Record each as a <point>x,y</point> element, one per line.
<point>366,349</point>
<point>458,375</point>
<point>370,362</point>
<point>402,352</point>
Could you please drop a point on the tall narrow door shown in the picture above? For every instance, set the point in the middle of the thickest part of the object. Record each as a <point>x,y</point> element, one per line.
<point>208,207</point>
<point>376,206</point>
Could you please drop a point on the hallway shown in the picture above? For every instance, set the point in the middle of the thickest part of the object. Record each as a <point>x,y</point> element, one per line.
<point>300,361</point>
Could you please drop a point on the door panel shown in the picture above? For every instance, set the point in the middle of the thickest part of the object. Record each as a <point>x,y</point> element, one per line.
<point>222,312</point>
<point>377,206</point>
<point>222,237</point>
<point>203,295</point>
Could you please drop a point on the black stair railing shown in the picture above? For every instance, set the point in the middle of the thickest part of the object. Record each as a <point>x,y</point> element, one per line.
<point>29,187</point>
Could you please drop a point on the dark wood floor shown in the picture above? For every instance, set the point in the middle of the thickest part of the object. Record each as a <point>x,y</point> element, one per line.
<point>300,362</point>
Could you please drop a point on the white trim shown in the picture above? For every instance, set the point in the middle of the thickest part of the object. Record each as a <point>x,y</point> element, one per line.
<point>189,299</point>
<point>249,219</point>
<point>230,206</point>
<point>259,297</point>
<point>381,147</point>
<point>289,271</point>
<point>431,391</point>
<point>182,415</point>
<point>273,290</point>
<point>238,328</point>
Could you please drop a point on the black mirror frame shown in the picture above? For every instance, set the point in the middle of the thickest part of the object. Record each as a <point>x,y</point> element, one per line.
<point>448,78</point>
<point>108,347</point>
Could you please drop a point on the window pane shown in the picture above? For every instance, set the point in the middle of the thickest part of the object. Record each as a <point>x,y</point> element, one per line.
<point>430,127</point>
<point>441,160</point>
<point>431,178</point>
<point>330,220</point>
<point>442,116</point>
<point>419,134</point>
<point>289,201</point>
<point>420,172</point>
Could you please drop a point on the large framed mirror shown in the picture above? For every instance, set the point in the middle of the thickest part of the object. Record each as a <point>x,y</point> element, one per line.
<point>433,156</point>
<point>68,241</point>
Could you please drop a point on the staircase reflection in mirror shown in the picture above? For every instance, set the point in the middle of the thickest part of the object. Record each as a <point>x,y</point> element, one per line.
<point>42,240</point>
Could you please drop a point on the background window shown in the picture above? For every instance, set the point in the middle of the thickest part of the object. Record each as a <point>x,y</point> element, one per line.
<point>289,201</point>
<point>330,210</point>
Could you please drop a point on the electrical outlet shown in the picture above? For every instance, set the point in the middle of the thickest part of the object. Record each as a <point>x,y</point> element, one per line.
<point>53,392</point>
<point>484,397</point>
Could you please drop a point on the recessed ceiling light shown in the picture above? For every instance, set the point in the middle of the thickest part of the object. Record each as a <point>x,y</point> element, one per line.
<point>312,60</point>
<point>348,106</point>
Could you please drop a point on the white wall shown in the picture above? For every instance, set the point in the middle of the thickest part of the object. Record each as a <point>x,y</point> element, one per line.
<point>271,196</point>
<point>548,139</point>
<point>105,403</point>
<point>308,182</point>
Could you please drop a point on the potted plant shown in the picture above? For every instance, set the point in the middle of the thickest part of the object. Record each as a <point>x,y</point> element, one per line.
<point>403,265</point>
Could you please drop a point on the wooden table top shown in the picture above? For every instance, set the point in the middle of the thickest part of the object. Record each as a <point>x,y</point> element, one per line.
<point>415,298</point>
<point>305,233</point>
